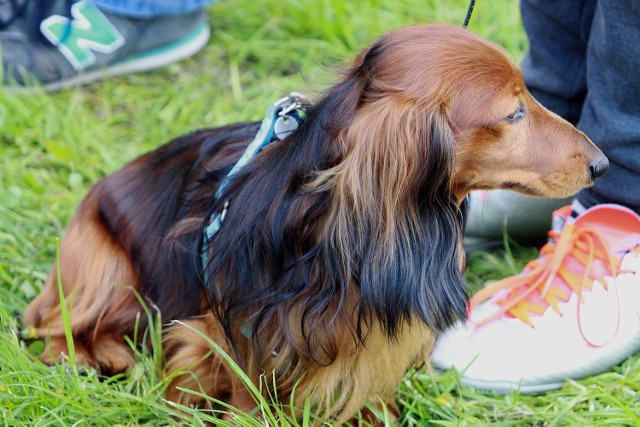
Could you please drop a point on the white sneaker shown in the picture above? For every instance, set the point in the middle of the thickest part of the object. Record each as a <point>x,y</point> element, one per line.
<point>492,213</point>
<point>529,333</point>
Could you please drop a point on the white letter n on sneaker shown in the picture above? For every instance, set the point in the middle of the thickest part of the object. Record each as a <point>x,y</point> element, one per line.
<point>88,30</point>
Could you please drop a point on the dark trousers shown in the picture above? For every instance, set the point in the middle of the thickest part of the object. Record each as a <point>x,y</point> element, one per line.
<point>584,64</point>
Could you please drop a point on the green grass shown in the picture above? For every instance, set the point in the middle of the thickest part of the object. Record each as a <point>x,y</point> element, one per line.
<point>53,146</point>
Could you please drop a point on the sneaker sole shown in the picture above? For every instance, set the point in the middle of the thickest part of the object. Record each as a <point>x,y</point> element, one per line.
<point>151,59</point>
<point>508,387</point>
<point>502,387</point>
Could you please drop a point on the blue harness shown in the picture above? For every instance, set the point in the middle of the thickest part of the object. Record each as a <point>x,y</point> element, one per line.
<point>282,117</point>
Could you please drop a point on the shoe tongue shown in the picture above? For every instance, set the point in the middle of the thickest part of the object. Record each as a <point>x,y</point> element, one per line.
<point>561,217</point>
<point>607,230</point>
<point>558,222</point>
<point>619,227</point>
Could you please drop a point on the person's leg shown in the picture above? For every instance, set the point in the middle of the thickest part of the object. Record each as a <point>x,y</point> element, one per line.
<point>554,70</point>
<point>145,9</point>
<point>611,112</point>
<point>574,311</point>
<point>62,43</point>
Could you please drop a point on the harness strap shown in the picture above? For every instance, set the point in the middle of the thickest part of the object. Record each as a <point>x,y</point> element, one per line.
<point>281,119</point>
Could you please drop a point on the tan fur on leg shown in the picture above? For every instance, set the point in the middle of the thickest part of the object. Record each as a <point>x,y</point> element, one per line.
<point>203,369</point>
<point>57,346</point>
<point>369,416</point>
<point>97,279</point>
<point>373,371</point>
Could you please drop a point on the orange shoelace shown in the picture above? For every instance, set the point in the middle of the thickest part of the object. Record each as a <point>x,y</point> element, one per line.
<point>533,291</point>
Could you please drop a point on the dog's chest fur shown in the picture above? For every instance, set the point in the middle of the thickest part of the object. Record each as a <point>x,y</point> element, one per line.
<point>372,371</point>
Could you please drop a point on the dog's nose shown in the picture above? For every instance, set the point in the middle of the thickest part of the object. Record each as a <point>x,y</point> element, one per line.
<point>599,168</point>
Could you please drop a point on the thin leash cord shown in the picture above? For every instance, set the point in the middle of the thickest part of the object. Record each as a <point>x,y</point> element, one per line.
<point>469,12</point>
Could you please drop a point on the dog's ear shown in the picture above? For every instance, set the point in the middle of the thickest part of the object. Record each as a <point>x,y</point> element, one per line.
<point>397,223</point>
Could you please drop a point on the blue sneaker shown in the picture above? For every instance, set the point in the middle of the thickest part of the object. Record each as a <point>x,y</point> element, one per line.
<point>57,44</point>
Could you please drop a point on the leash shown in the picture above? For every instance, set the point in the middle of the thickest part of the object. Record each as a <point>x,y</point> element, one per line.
<point>280,120</point>
<point>472,3</point>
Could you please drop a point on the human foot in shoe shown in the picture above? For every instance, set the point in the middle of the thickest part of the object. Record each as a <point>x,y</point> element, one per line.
<point>573,312</point>
<point>59,44</point>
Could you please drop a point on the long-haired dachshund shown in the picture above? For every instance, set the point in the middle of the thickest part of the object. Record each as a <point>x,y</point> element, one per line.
<point>339,259</point>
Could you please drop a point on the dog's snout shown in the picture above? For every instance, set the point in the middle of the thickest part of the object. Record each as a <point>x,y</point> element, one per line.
<point>599,168</point>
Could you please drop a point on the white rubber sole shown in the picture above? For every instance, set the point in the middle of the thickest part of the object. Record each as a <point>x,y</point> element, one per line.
<point>498,387</point>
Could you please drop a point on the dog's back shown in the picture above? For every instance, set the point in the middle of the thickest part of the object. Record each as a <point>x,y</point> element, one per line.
<point>120,240</point>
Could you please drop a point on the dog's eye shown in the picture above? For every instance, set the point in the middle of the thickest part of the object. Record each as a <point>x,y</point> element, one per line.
<point>516,115</point>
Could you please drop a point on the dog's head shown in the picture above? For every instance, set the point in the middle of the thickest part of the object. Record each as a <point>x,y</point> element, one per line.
<point>446,90</point>
<point>425,115</point>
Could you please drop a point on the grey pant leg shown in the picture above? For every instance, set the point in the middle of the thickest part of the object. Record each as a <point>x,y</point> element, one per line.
<point>554,68</point>
<point>611,111</point>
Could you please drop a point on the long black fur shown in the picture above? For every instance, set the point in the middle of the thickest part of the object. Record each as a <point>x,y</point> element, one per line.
<point>266,258</point>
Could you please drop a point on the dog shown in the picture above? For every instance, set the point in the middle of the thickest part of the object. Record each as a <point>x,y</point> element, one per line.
<point>340,258</point>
